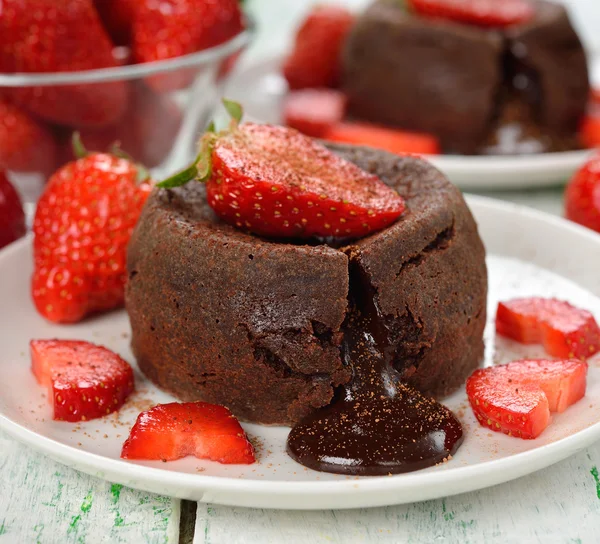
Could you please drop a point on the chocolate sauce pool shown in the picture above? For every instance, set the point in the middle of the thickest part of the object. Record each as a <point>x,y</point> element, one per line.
<point>377,424</point>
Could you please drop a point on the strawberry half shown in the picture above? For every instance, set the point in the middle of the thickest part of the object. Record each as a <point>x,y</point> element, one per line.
<point>171,431</point>
<point>582,195</point>
<point>315,59</point>
<point>517,398</point>
<point>274,181</point>
<point>486,13</point>
<point>84,381</point>
<point>83,223</point>
<point>564,330</point>
<point>314,111</point>
<point>396,141</point>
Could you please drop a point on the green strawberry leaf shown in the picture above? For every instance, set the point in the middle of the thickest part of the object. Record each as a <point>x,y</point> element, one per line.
<point>234,109</point>
<point>201,168</point>
<point>180,178</point>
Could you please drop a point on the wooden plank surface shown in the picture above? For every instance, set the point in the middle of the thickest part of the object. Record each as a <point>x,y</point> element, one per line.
<point>558,505</point>
<point>44,502</point>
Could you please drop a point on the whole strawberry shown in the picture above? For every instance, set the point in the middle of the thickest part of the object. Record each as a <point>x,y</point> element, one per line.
<point>582,196</point>
<point>50,36</point>
<point>274,181</point>
<point>12,218</point>
<point>172,28</point>
<point>117,16</point>
<point>82,226</point>
<point>315,59</point>
<point>25,144</point>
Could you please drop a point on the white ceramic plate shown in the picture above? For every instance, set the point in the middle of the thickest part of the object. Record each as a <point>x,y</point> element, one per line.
<point>530,253</point>
<point>261,88</point>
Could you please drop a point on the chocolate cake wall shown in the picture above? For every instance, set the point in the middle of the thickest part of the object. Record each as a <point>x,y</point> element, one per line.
<point>226,317</point>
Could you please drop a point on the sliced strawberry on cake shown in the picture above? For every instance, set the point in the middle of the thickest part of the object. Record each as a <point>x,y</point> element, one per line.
<point>564,330</point>
<point>485,13</point>
<point>84,381</point>
<point>172,431</point>
<point>274,181</point>
<point>517,398</point>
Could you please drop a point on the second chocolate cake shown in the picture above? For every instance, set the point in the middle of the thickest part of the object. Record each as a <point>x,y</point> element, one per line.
<point>519,89</point>
<point>256,325</point>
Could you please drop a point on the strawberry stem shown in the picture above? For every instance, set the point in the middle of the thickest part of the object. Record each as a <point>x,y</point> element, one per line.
<point>180,178</point>
<point>79,149</point>
<point>201,168</point>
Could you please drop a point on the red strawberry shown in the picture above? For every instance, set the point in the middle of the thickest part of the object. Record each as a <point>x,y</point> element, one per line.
<point>82,226</point>
<point>564,330</point>
<point>314,111</point>
<point>25,144</point>
<point>582,196</point>
<point>172,431</point>
<point>517,398</point>
<point>117,16</point>
<point>589,130</point>
<point>84,381</point>
<point>146,132</point>
<point>315,59</point>
<point>12,218</point>
<point>50,36</point>
<point>173,28</point>
<point>277,182</point>
<point>396,141</point>
<point>486,13</point>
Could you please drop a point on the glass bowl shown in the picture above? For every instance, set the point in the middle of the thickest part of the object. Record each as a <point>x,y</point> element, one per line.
<point>154,111</point>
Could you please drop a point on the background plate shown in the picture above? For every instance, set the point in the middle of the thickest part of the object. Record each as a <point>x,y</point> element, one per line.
<point>515,236</point>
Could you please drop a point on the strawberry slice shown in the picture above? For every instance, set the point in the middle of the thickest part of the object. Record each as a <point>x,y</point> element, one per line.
<point>274,181</point>
<point>564,330</point>
<point>396,141</point>
<point>172,431</point>
<point>517,398</point>
<point>582,195</point>
<point>84,381</point>
<point>485,13</point>
<point>315,59</point>
<point>314,111</point>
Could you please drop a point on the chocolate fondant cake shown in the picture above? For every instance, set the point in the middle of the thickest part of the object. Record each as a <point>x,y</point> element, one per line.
<point>518,89</point>
<point>257,325</point>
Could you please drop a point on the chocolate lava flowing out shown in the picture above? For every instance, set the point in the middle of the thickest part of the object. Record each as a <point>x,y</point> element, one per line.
<point>377,425</point>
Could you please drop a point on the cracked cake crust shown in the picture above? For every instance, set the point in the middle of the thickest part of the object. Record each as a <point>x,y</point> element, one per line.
<point>230,318</point>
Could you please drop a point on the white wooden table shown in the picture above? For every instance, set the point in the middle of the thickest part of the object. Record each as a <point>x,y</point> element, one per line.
<point>46,502</point>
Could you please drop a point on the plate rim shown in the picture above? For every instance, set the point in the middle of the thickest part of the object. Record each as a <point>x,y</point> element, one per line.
<point>477,476</point>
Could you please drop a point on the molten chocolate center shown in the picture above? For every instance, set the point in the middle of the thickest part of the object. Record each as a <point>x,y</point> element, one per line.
<point>377,424</point>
